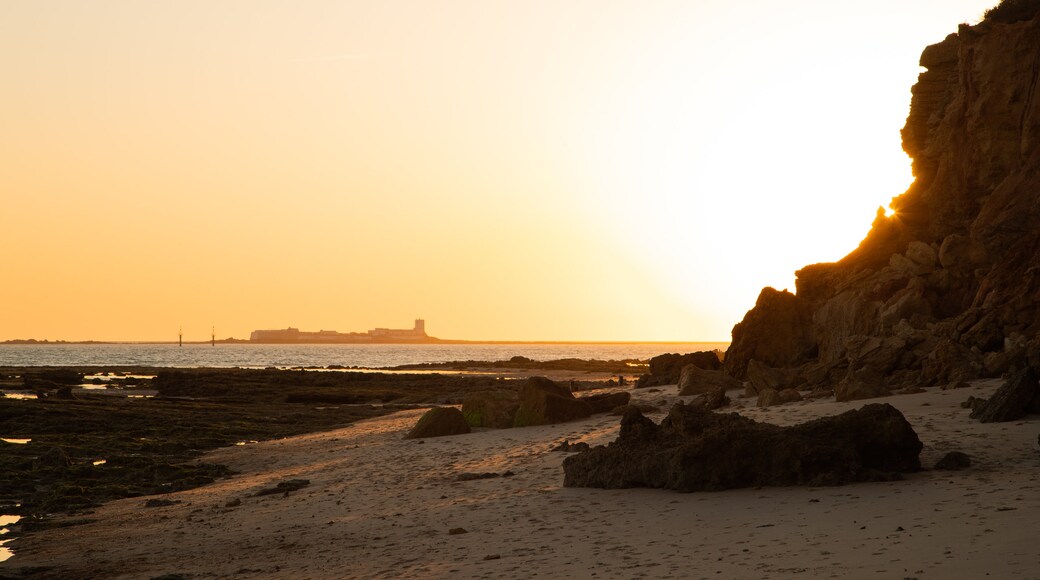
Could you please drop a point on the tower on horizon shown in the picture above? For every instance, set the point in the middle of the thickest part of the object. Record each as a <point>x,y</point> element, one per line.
<point>420,325</point>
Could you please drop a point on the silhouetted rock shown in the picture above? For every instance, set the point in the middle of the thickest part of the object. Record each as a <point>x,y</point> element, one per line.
<point>777,332</point>
<point>284,487</point>
<point>52,378</point>
<point>542,402</point>
<point>666,368</point>
<point>953,461</point>
<point>491,408</point>
<point>761,377</point>
<point>946,289</point>
<point>439,422</point>
<point>693,380</point>
<point>605,402</point>
<point>1015,399</point>
<point>697,450</point>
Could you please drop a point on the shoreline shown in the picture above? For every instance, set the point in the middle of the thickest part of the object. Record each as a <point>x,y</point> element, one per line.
<point>380,506</point>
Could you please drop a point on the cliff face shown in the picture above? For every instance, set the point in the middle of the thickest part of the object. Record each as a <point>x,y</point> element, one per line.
<point>948,288</point>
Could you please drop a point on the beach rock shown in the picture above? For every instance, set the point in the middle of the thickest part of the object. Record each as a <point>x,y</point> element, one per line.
<point>641,407</point>
<point>666,368</point>
<point>542,402</point>
<point>697,450</point>
<point>714,399</point>
<point>605,402</point>
<point>863,383</point>
<point>52,377</point>
<point>494,409</point>
<point>768,397</point>
<point>439,422</point>
<point>777,332</point>
<point>953,461</point>
<point>693,380</point>
<point>1015,399</point>
<point>762,377</point>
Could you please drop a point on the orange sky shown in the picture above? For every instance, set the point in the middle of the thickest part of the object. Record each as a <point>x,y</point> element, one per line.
<point>530,170</point>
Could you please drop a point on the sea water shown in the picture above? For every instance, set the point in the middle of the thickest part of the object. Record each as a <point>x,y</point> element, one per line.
<point>322,355</point>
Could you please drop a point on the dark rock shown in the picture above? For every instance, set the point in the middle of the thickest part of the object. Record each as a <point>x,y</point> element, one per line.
<point>761,377</point>
<point>457,531</point>
<point>953,461</point>
<point>1013,400</point>
<point>491,408</point>
<point>439,422</point>
<point>789,396</point>
<point>863,383</point>
<point>284,487</point>
<point>714,399</point>
<point>52,377</point>
<point>777,332</point>
<point>604,402</point>
<point>693,380</point>
<point>768,397</point>
<point>696,450</point>
<point>542,402</point>
<point>666,368</point>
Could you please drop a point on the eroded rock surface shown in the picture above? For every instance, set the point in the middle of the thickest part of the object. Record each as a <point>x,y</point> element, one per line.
<point>697,450</point>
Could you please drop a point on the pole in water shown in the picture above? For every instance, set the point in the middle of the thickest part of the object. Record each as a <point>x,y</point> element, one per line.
<point>213,337</point>
<point>180,336</point>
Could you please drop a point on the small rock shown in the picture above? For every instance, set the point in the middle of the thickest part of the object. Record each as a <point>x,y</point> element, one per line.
<point>953,461</point>
<point>457,531</point>
<point>492,557</point>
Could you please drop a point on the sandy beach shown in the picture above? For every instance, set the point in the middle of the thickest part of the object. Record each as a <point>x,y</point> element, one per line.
<point>378,506</point>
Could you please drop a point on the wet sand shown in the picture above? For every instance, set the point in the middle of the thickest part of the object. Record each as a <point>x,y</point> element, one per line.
<point>378,506</point>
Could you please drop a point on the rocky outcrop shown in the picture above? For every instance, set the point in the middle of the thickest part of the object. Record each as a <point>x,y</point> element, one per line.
<point>947,288</point>
<point>606,402</point>
<point>542,402</point>
<point>438,422</point>
<point>693,380</point>
<point>494,409</point>
<point>711,400</point>
<point>666,368</point>
<point>1016,398</point>
<point>697,450</point>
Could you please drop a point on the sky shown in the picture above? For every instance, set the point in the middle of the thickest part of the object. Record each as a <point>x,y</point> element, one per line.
<point>507,170</point>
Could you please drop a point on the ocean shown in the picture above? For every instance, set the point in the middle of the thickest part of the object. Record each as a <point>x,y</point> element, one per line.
<point>320,355</point>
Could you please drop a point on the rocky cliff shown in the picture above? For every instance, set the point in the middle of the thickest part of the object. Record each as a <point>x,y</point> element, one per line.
<point>948,288</point>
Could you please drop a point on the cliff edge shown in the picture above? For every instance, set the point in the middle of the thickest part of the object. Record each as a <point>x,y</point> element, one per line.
<point>947,289</point>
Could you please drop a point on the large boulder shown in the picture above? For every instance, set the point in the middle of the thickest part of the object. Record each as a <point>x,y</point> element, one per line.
<point>862,383</point>
<point>694,380</point>
<point>763,377</point>
<point>1016,398</point>
<point>666,368</point>
<point>542,402</point>
<point>697,450</point>
<point>711,400</point>
<point>438,422</point>
<point>494,409</point>
<point>606,402</point>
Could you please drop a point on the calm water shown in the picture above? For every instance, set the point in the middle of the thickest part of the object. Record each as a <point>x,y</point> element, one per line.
<point>279,355</point>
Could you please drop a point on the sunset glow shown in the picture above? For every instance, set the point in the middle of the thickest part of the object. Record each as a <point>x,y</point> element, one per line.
<point>506,170</point>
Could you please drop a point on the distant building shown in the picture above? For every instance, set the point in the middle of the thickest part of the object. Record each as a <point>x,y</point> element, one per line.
<point>290,335</point>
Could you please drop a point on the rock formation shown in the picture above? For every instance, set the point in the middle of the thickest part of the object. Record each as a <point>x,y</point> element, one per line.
<point>542,401</point>
<point>491,408</point>
<point>946,289</point>
<point>438,422</point>
<point>697,450</point>
<point>666,368</point>
<point>693,380</point>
